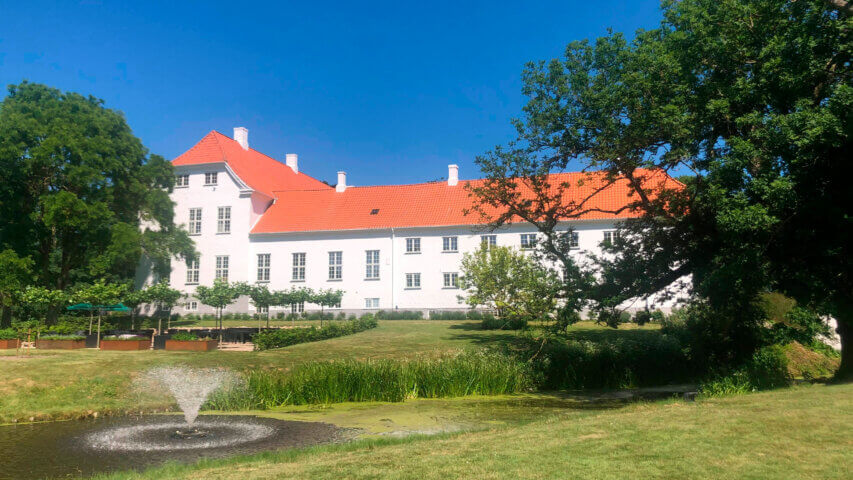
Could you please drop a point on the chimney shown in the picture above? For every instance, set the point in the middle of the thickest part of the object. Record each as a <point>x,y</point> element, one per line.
<point>241,135</point>
<point>342,182</point>
<point>292,162</point>
<point>452,175</point>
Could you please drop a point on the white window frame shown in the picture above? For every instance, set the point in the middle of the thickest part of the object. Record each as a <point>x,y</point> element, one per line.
<point>223,220</point>
<point>182,180</point>
<point>450,279</point>
<point>612,234</point>
<point>371,265</point>
<point>194,226</point>
<point>574,241</point>
<point>264,261</point>
<point>413,281</point>
<point>262,310</point>
<point>222,264</point>
<point>192,271</point>
<point>191,306</point>
<point>528,241</point>
<point>413,245</point>
<point>371,303</point>
<point>298,307</point>
<point>488,241</point>
<point>336,265</point>
<point>450,244</point>
<point>208,176</point>
<point>299,260</point>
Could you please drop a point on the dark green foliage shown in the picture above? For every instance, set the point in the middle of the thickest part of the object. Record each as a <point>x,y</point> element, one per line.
<point>58,336</point>
<point>513,323</point>
<point>8,334</point>
<point>642,317</point>
<point>458,315</point>
<point>467,373</point>
<point>184,336</point>
<point>399,315</point>
<point>292,336</point>
<point>767,369</point>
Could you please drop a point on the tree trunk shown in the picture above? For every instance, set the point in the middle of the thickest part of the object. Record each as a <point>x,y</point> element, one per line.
<point>98,344</point>
<point>6,317</point>
<point>268,317</point>
<point>845,332</point>
<point>91,317</point>
<point>220,324</point>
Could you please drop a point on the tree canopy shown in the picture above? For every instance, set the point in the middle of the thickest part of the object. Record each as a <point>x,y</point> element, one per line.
<point>81,195</point>
<point>750,103</point>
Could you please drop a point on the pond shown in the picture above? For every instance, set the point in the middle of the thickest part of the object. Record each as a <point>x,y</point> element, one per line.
<point>84,447</point>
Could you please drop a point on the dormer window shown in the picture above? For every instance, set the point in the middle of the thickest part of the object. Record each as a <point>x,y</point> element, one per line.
<point>210,178</point>
<point>182,180</point>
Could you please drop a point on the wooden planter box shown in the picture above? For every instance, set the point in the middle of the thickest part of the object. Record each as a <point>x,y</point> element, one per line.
<point>192,345</point>
<point>125,345</point>
<point>60,344</point>
<point>13,343</point>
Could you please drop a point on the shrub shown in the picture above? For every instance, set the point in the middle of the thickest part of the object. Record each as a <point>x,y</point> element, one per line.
<point>8,334</point>
<point>57,336</point>
<point>642,317</point>
<point>467,373</point>
<point>285,337</point>
<point>767,369</point>
<point>399,315</point>
<point>184,336</point>
<point>514,323</point>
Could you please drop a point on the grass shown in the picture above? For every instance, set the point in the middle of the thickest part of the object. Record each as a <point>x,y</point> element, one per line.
<point>797,433</point>
<point>70,384</point>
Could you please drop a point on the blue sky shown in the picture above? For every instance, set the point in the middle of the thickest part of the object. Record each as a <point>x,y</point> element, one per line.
<point>391,92</point>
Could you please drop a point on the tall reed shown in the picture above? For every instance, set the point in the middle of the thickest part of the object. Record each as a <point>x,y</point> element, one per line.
<point>465,373</point>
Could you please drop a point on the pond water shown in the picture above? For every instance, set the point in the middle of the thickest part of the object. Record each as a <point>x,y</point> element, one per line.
<point>84,447</point>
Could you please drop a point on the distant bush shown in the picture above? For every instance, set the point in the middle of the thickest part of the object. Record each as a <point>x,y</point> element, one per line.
<point>184,336</point>
<point>284,337</point>
<point>399,315</point>
<point>456,315</point>
<point>489,322</point>
<point>8,334</point>
<point>56,336</point>
<point>642,317</point>
<point>469,373</point>
<point>767,369</point>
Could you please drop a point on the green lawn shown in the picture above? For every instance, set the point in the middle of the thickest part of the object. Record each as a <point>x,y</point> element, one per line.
<point>66,384</point>
<point>798,433</point>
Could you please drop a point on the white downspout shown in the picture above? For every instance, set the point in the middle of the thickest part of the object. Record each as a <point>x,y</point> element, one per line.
<point>393,304</point>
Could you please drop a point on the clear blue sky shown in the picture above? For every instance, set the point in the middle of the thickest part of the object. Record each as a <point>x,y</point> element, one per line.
<point>391,92</point>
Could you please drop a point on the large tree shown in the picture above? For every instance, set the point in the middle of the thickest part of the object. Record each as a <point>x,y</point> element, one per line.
<point>750,100</point>
<point>80,194</point>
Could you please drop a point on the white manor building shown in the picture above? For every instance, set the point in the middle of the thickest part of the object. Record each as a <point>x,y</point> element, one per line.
<point>256,219</point>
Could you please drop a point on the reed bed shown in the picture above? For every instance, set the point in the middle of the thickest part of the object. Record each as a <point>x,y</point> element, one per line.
<point>460,374</point>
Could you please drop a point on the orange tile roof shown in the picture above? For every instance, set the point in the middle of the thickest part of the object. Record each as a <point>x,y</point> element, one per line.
<point>260,172</point>
<point>423,205</point>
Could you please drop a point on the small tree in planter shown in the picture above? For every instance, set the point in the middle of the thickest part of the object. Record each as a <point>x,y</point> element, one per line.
<point>219,296</point>
<point>326,298</point>
<point>133,300</point>
<point>165,297</point>
<point>262,297</point>
<point>38,301</point>
<point>100,294</point>
<point>294,296</point>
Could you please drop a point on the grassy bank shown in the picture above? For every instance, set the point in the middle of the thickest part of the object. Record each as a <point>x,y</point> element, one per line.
<point>798,433</point>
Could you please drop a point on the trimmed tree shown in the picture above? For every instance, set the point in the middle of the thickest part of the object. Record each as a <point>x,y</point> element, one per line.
<point>263,298</point>
<point>165,297</point>
<point>219,296</point>
<point>326,298</point>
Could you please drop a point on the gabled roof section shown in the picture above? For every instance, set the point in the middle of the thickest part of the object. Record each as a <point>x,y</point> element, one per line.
<point>427,204</point>
<point>260,172</point>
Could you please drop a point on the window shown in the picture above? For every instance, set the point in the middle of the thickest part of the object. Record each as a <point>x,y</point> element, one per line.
<point>297,307</point>
<point>451,280</point>
<point>263,267</point>
<point>336,265</point>
<point>262,310</point>
<point>223,220</point>
<point>413,280</point>
<point>222,267</point>
<point>488,241</point>
<point>298,267</point>
<point>195,221</point>
<point>371,303</point>
<point>449,244</point>
<point>528,240</point>
<point>182,180</point>
<point>191,306</point>
<point>192,271</point>
<point>372,264</point>
<point>574,241</point>
<point>413,245</point>
<point>210,178</point>
<point>609,236</point>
